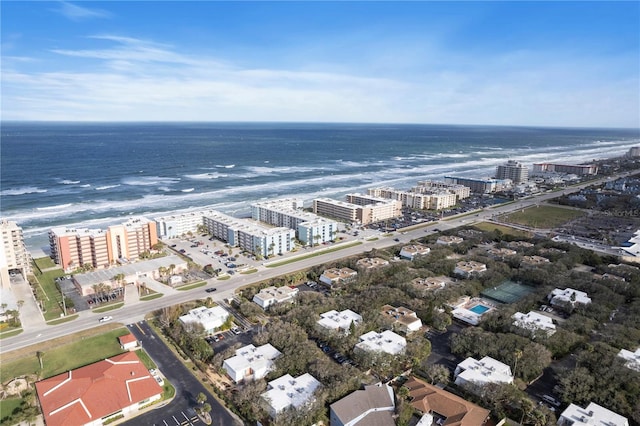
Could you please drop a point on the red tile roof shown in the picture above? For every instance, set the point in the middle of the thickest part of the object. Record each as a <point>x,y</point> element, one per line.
<point>457,411</point>
<point>88,393</point>
<point>127,338</point>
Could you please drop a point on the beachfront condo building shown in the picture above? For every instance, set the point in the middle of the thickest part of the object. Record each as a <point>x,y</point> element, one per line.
<point>482,185</point>
<point>579,169</point>
<point>358,208</point>
<point>14,257</point>
<point>180,225</point>
<point>73,248</point>
<point>435,187</point>
<point>415,200</point>
<point>310,228</point>
<point>250,236</point>
<point>634,152</point>
<point>513,170</point>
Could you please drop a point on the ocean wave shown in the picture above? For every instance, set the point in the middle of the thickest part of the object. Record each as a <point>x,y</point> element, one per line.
<point>58,207</point>
<point>206,176</point>
<point>86,185</point>
<point>102,188</point>
<point>69,182</point>
<point>188,190</point>
<point>149,180</point>
<point>228,166</point>
<point>22,191</point>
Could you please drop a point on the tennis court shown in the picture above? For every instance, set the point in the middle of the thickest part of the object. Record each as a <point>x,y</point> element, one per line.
<point>507,292</point>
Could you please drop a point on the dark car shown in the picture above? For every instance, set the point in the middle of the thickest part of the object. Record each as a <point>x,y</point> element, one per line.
<point>211,290</point>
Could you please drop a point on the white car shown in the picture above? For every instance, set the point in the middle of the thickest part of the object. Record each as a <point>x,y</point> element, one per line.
<point>105,319</point>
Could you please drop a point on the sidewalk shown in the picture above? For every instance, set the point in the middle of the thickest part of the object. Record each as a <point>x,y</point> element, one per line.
<point>30,315</point>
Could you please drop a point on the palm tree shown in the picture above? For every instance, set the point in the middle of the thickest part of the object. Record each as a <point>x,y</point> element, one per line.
<point>517,355</point>
<point>317,237</point>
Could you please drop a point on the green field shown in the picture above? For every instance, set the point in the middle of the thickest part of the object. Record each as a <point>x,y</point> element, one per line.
<point>543,217</point>
<point>506,230</point>
<point>56,360</point>
<point>44,263</point>
<point>314,254</point>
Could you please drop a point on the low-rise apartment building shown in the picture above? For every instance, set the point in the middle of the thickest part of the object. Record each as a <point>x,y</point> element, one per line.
<point>335,276</point>
<point>339,321</point>
<point>482,185</point>
<point>413,250</point>
<point>579,169</point>
<point>387,342</point>
<point>250,362</point>
<point>209,319</point>
<point>271,295</point>
<point>467,268</point>
<point>404,320</point>
<point>374,405</point>
<point>534,322</point>
<point>472,373</point>
<point>181,224</point>
<point>369,263</point>
<point>287,391</point>
<point>593,414</point>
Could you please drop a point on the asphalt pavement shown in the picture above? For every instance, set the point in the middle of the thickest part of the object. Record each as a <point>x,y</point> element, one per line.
<point>180,411</point>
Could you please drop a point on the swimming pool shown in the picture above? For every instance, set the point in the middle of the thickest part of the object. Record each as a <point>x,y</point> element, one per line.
<point>479,309</point>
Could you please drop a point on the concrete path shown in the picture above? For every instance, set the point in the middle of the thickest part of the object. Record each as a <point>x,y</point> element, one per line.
<point>30,315</point>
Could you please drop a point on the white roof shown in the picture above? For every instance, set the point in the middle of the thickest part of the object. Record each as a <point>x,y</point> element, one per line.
<point>566,294</point>
<point>593,415</point>
<point>533,321</point>
<point>487,370</point>
<point>632,358</point>
<point>287,391</point>
<point>387,341</point>
<point>251,357</point>
<point>339,320</point>
<point>210,318</point>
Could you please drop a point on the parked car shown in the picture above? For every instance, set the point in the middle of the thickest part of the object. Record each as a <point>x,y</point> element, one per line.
<point>236,330</point>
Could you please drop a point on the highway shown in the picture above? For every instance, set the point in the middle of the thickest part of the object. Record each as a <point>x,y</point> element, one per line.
<point>134,312</point>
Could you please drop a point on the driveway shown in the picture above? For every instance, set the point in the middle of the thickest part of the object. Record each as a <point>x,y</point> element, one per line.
<point>180,410</point>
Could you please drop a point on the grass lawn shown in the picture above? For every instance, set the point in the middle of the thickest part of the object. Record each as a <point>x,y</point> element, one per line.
<point>146,359</point>
<point>310,255</point>
<point>51,298</point>
<point>487,226</point>
<point>109,308</point>
<point>544,216</point>
<point>70,352</point>
<point>224,277</point>
<point>192,286</point>
<point>250,271</point>
<point>44,263</point>
<point>8,405</point>
<point>152,296</point>
<point>62,320</point>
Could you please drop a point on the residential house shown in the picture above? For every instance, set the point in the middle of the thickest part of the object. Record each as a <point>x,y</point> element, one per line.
<point>443,408</point>
<point>369,263</point>
<point>404,320</point>
<point>98,392</point>
<point>387,341</point>
<point>431,283</point>
<point>632,358</point>
<point>271,295</point>
<point>250,362</point>
<point>568,296</point>
<point>336,276</point>
<point>373,405</point>
<point>500,253</point>
<point>334,320</point>
<point>534,322</point>
<point>472,373</point>
<point>448,240</point>
<point>467,268</point>
<point>209,319</point>
<point>533,261</point>
<point>594,414</point>
<point>413,250</point>
<point>286,391</point>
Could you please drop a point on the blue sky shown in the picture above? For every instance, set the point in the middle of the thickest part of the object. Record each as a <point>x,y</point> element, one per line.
<point>505,63</point>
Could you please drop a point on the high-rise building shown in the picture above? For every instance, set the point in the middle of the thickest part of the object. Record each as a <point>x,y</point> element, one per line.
<point>72,248</point>
<point>359,208</point>
<point>514,170</point>
<point>575,169</point>
<point>14,257</point>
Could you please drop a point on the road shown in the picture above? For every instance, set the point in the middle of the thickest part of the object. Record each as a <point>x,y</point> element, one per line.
<point>134,312</point>
<point>180,411</point>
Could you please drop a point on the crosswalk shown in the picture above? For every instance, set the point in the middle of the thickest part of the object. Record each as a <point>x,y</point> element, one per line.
<point>179,419</point>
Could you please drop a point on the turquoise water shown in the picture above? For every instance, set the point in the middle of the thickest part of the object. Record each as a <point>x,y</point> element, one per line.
<point>479,309</point>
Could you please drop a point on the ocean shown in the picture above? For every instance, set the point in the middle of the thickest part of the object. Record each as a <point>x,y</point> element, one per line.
<point>96,174</point>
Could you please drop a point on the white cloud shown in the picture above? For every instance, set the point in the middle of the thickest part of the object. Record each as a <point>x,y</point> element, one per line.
<point>142,80</point>
<point>78,13</point>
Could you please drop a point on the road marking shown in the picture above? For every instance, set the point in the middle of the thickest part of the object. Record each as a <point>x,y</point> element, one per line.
<point>176,420</point>
<point>140,328</point>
